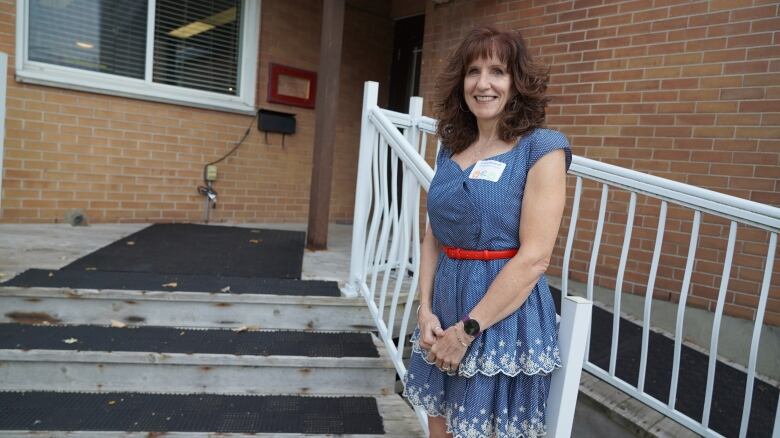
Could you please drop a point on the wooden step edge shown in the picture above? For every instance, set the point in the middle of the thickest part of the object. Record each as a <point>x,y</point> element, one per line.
<point>179,296</point>
<point>199,359</point>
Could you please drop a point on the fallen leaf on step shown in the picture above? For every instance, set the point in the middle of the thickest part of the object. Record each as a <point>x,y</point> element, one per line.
<point>70,340</point>
<point>246,328</point>
<point>90,268</point>
<point>255,241</point>
<point>130,242</point>
<point>119,324</point>
<point>225,289</point>
<point>171,284</point>
<point>255,231</point>
<point>51,274</point>
<point>181,333</point>
<point>112,402</point>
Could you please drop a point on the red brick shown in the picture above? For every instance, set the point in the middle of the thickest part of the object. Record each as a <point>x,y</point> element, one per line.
<point>768,25</point>
<point>759,106</point>
<point>763,39</point>
<point>746,67</point>
<point>705,45</point>
<point>763,52</point>
<point>676,84</point>
<point>753,13</point>
<point>728,29</point>
<point>703,70</point>
<point>739,119</point>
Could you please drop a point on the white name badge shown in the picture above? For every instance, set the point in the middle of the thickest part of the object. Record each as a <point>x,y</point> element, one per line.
<point>490,170</point>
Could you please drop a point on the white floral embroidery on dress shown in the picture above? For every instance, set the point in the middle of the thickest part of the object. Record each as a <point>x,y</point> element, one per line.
<point>475,427</point>
<point>529,363</point>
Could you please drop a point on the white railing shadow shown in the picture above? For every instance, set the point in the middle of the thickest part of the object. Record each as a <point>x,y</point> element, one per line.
<point>386,239</point>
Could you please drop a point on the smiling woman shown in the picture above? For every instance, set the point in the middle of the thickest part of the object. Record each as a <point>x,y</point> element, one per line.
<point>524,106</point>
<point>486,340</point>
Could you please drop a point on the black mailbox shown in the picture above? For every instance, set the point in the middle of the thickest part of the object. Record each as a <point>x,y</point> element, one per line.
<point>275,121</point>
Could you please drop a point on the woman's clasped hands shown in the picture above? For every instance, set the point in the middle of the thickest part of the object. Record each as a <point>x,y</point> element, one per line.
<point>445,347</point>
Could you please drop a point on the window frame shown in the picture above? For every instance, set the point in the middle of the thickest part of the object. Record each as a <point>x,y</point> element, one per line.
<point>42,73</point>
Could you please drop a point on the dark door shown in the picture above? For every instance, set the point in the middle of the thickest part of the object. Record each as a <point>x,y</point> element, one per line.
<point>407,54</point>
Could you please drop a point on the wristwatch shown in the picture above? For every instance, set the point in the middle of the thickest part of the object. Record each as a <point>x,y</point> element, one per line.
<point>471,326</point>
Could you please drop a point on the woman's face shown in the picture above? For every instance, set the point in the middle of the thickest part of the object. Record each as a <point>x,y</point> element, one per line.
<point>486,88</point>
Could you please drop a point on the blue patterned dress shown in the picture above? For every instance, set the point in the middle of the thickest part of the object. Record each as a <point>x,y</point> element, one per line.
<point>502,384</point>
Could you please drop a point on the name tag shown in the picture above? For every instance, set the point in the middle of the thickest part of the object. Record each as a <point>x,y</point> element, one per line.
<point>490,170</point>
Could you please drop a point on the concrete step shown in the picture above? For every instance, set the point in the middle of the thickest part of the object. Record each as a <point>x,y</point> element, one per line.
<point>398,419</point>
<point>37,305</point>
<point>67,363</point>
<point>182,309</point>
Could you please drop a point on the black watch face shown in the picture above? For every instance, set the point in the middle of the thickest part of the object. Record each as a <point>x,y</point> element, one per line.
<point>471,327</point>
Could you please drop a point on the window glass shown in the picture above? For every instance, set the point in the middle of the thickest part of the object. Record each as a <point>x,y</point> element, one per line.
<point>197,44</point>
<point>107,36</point>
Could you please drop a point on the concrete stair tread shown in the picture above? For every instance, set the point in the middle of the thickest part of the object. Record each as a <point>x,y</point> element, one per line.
<point>38,305</point>
<point>74,367</point>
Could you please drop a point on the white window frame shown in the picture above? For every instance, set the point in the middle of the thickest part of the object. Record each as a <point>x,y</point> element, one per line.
<point>84,80</point>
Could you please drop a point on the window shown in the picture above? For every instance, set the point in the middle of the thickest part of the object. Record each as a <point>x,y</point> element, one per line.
<point>196,52</point>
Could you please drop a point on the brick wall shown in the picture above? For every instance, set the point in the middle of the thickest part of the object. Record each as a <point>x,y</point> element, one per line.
<point>124,160</point>
<point>686,90</point>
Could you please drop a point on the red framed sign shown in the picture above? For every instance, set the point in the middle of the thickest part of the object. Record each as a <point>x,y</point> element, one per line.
<point>291,86</point>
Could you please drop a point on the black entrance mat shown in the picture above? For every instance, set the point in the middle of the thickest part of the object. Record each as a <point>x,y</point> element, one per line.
<point>172,282</point>
<point>729,386</point>
<point>188,341</point>
<point>202,250</point>
<point>133,412</point>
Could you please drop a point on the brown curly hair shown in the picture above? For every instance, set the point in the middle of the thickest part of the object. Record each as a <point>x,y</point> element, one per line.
<point>525,111</point>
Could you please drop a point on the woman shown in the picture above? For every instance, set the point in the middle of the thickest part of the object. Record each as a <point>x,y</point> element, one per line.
<point>486,339</point>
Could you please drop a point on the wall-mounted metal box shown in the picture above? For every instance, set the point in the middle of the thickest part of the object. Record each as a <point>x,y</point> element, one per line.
<point>275,121</point>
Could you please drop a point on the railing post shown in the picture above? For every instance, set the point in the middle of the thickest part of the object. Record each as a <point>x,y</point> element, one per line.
<point>572,337</point>
<point>362,191</point>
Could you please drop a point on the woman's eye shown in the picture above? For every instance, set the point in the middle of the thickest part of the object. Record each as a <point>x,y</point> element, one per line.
<point>498,71</point>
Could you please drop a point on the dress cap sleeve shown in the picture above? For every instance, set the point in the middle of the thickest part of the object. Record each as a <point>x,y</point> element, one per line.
<point>546,141</point>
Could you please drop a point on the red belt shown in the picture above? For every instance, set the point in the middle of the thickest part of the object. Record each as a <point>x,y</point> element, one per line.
<point>478,254</point>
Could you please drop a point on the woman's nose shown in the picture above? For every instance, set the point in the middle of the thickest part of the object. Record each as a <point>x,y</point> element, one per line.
<point>484,81</point>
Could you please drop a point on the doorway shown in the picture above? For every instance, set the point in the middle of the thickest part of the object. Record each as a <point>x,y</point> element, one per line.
<point>407,57</point>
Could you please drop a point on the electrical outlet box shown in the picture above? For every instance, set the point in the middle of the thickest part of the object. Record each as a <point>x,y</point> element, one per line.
<point>211,173</point>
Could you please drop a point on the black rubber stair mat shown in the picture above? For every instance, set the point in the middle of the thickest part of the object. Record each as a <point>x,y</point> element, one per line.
<point>202,249</point>
<point>167,282</point>
<point>729,385</point>
<point>133,412</point>
<point>176,340</point>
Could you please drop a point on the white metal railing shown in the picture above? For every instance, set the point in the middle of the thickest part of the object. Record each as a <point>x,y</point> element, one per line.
<point>386,246</point>
<point>738,211</point>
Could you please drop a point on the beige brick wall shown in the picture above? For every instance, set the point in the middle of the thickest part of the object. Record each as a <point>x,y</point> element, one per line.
<point>686,90</point>
<point>129,160</point>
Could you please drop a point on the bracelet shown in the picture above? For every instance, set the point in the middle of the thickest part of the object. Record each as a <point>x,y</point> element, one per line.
<point>460,340</point>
